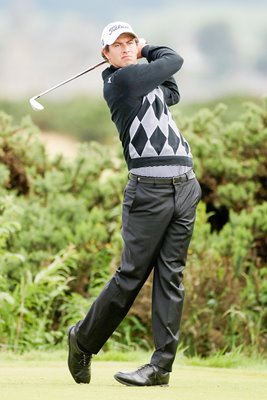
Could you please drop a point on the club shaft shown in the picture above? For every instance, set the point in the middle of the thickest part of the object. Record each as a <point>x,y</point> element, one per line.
<point>70,79</point>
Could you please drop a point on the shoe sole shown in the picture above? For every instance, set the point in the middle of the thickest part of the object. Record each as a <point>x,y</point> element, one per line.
<point>131,384</point>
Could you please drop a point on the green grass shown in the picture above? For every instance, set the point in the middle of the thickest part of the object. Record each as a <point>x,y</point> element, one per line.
<point>42,380</point>
<point>43,376</point>
<point>235,359</point>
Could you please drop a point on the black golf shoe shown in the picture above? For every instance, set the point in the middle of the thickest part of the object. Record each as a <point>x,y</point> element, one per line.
<point>79,362</point>
<point>147,375</point>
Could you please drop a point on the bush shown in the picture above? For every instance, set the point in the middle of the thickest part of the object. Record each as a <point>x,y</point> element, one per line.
<point>56,221</point>
<point>83,117</point>
<point>60,236</point>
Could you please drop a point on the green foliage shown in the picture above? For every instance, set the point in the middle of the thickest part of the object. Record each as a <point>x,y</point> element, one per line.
<point>57,226</point>
<point>86,118</point>
<point>31,305</point>
<point>60,236</point>
<point>226,272</point>
<point>226,286</point>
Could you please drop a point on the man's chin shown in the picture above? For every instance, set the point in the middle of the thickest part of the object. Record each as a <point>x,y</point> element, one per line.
<point>128,62</point>
<point>125,63</point>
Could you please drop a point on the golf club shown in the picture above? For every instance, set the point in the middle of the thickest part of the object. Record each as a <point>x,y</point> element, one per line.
<point>38,107</point>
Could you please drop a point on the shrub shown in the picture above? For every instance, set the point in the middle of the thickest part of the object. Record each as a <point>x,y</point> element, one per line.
<point>60,236</point>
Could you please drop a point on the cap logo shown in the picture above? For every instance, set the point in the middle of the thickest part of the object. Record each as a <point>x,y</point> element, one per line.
<point>116,27</point>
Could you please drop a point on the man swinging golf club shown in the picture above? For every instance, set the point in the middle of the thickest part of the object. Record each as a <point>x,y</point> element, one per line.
<point>158,210</point>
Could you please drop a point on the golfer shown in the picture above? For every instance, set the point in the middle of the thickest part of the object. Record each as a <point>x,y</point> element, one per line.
<point>158,210</point>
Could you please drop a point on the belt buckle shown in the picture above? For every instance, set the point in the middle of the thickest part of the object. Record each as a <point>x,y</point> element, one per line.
<point>179,179</point>
<point>176,180</point>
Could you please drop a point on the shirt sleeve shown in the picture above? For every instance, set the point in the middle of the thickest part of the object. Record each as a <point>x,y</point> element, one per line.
<point>170,91</point>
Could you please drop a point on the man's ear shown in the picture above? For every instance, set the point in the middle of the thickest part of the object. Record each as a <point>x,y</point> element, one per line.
<point>105,54</point>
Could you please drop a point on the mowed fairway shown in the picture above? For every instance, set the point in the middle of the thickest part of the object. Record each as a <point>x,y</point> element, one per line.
<point>49,380</point>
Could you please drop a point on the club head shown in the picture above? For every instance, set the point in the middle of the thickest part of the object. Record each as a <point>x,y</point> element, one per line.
<point>35,105</point>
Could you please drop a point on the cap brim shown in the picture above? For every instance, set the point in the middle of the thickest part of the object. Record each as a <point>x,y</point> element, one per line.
<point>113,39</point>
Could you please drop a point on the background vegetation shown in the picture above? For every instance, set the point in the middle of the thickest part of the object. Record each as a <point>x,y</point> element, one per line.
<point>87,118</point>
<point>60,234</point>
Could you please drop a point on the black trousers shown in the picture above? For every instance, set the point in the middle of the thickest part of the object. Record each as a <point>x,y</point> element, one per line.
<point>157,226</point>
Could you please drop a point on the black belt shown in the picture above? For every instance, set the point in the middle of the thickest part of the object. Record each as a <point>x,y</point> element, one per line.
<point>175,180</point>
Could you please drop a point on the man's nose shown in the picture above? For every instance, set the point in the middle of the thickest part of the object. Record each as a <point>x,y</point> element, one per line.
<point>125,47</point>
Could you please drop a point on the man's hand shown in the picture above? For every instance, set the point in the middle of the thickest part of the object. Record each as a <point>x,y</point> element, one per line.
<point>142,42</point>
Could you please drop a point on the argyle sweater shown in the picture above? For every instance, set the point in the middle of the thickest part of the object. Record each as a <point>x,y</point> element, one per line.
<point>138,97</point>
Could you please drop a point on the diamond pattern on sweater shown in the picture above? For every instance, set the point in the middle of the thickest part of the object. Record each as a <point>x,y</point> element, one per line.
<point>173,139</point>
<point>158,140</point>
<point>139,140</point>
<point>153,131</point>
<point>158,108</point>
<point>143,109</point>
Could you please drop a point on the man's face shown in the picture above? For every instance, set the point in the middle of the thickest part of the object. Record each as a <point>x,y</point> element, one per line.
<point>123,52</point>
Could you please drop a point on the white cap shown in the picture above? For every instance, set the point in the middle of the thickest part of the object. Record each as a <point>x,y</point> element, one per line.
<point>113,30</point>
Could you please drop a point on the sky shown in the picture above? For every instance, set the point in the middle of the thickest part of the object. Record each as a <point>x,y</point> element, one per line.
<point>223,43</point>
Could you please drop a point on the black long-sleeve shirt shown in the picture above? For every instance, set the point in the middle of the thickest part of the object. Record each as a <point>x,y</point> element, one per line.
<point>138,97</point>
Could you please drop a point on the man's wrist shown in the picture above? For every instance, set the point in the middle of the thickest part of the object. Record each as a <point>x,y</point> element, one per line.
<point>145,50</point>
<point>141,43</point>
